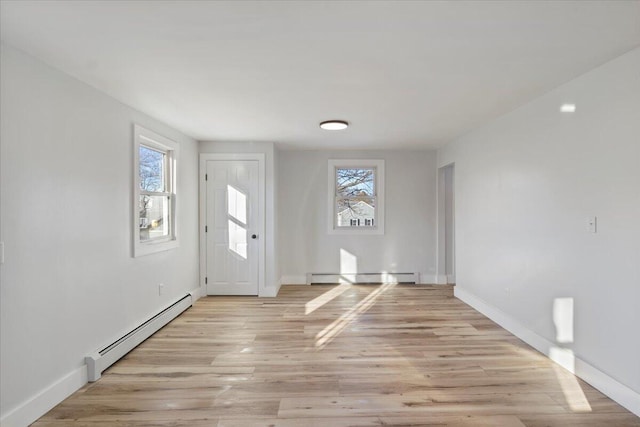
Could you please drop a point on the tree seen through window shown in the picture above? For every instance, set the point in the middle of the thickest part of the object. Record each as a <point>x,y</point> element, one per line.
<point>355,197</point>
<point>154,202</point>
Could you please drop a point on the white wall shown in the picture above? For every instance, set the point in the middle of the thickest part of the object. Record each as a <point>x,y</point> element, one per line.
<point>525,185</point>
<point>69,284</point>
<point>271,187</point>
<point>409,242</point>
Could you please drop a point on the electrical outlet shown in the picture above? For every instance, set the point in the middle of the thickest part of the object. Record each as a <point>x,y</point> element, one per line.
<point>160,288</point>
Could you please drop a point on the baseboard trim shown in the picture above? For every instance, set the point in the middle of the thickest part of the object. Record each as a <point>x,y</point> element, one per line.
<point>271,291</point>
<point>38,405</point>
<point>589,373</point>
<point>425,279</point>
<point>197,293</point>
<point>441,279</point>
<point>360,278</point>
<point>294,280</point>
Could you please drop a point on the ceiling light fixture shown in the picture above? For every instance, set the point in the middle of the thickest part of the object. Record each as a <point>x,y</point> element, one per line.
<point>334,125</point>
<point>568,108</point>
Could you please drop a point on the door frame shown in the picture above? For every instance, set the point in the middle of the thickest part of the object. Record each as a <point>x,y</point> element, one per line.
<point>444,186</point>
<point>262,176</point>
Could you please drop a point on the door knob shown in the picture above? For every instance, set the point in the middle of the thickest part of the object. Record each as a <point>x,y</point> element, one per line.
<point>254,236</point>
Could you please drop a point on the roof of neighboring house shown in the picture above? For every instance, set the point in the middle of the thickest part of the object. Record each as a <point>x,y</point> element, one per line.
<point>360,203</point>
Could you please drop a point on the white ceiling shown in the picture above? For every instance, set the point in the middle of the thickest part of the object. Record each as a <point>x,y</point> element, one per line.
<point>405,74</point>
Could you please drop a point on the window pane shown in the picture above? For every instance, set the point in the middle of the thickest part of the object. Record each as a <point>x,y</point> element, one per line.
<point>237,204</point>
<point>355,182</point>
<point>154,217</point>
<point>151,169</point>
<point>237,239</point>
<point>356,212</point>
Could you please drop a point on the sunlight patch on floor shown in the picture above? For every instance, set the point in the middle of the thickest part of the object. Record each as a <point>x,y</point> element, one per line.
<point>324,337</point>
<point>318,302</point>
<point>573,394</point>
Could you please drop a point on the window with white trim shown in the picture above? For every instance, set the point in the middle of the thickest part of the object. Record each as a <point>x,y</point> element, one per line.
<point>356,196</point>
<point>154,213</point>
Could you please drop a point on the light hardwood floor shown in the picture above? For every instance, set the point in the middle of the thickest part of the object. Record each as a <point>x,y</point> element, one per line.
<point>365,355</point>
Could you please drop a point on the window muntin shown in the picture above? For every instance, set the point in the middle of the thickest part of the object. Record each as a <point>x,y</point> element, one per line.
<point>154,192</point>
<point>356,187</point>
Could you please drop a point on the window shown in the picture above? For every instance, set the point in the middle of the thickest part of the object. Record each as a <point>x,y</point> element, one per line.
<point>356,196</point>
<point>155,159</point>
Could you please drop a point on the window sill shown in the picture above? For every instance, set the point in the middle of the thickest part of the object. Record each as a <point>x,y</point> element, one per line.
<point>357,231</point>
<point>148,248</point>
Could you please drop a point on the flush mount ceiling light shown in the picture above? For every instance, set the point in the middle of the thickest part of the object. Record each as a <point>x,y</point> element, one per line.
<point>334,125</point>
<point>568,108</point>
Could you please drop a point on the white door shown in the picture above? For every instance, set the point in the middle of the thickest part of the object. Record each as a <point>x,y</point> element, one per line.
<point>232,219</point>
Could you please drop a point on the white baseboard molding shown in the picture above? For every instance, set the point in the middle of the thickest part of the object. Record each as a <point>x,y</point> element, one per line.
<point>445,279</point>
<point>441,279</point>
<point>294,280</point>
<point>433,279</point>
<point>355,278</point>
<point>197,293</point>
<point>99,360</point>
<point>617,391</point>
<point>270,291</point>
<point>425,279</point>
<point>38,405</point>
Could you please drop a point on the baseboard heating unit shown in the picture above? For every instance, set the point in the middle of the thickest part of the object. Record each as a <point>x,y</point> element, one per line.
<point>318,278</point>
<point>102,359</point>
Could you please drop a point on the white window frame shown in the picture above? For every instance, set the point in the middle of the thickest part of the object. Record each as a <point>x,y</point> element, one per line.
<point>143,136</point>
<point>378,165</point>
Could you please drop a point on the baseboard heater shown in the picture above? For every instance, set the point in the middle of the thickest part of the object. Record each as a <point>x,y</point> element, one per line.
<point>102,359</point>
<point>320,278</point>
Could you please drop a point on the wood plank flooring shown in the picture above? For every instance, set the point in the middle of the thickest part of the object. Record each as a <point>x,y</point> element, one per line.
<point>366,355</point>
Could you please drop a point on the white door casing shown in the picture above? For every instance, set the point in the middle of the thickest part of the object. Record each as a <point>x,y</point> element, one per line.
<point>446,225</point>
<point>231,212</point>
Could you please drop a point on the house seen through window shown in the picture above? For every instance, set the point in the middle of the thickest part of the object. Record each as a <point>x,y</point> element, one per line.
<point>356,196</point>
